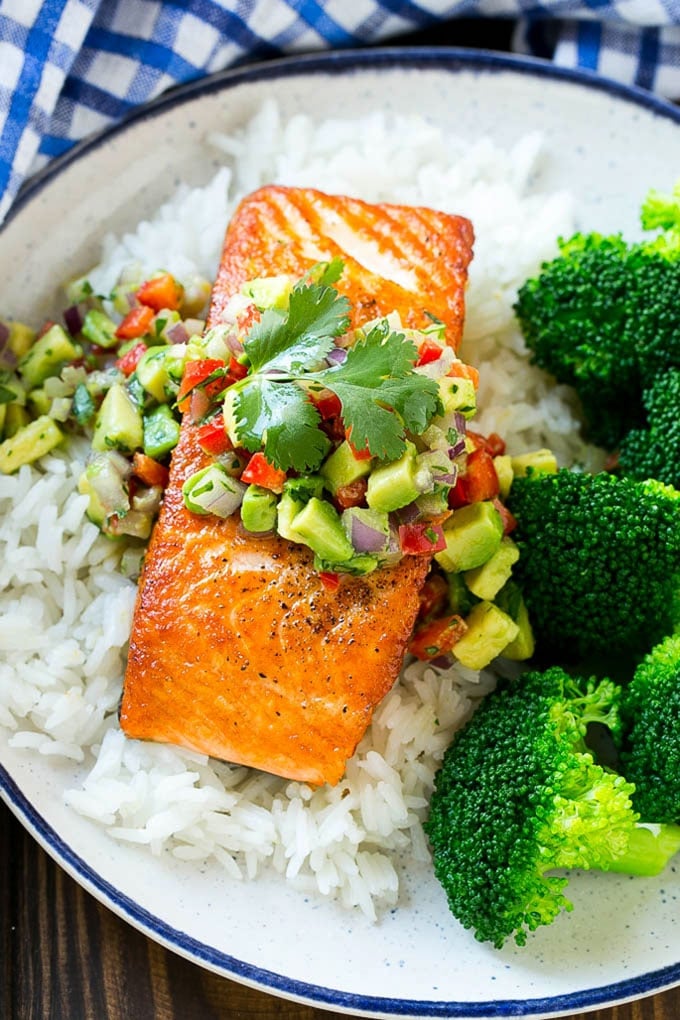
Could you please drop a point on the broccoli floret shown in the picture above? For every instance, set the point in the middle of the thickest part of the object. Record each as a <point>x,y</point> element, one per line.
<point>654,451</point>
<point>519,794</point>
<point>599,563</point>
<point>661,211</point>
<point>650,753</point>
<point>604,318</point>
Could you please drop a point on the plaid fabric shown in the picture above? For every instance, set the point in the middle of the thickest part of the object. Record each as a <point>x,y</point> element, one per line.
<point>69,68</point>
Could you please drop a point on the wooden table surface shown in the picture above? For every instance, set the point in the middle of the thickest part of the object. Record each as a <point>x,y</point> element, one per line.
<point>66,957</point>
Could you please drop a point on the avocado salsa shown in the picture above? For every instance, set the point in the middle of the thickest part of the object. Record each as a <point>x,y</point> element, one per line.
<point>353,442</point>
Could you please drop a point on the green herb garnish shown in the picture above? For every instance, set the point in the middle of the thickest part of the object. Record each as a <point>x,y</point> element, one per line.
<point>382,397</point>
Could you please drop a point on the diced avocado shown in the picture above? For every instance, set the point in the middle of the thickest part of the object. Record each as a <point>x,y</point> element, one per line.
<point>11,389</point>
<point>160,432</point>
<point>342,468</point>
<point>99,328</point>
<point>196,295</point>
<point>523,646</point>
<point>461,599</point>
<point>269,291</point>
<point>159,370</point>
<point>358,519</point>
<point>510,600</point>
<point>503,465</point>
<point>16,417</point>
<point>296,493</point>
<point>393,485</point>
<point>101,473</point>
<point>473,533</point>
<point>540,461</point>
<point>38,401</point>
<point>458,394</point>
<point>487,580</point>
<point>78,289</point>
<point>29,444</point>
<point>3,418</point>
<point>358,566</point>
<point>258,509</point>
<point>21,338</point>
<point>318,526</point>
<point>47,356</point>
<point>489,632</point>
<point>118,425</point>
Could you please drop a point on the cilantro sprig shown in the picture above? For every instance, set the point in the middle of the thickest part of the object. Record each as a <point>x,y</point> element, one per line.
<point>381,396</point>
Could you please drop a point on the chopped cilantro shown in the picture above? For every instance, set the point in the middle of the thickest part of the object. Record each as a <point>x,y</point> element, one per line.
<point>382,397</point>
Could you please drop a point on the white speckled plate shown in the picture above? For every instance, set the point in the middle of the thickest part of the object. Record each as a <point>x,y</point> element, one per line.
<point>623,938</point>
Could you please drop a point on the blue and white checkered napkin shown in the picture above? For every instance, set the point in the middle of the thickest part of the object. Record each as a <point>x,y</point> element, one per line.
<point>69,68</point>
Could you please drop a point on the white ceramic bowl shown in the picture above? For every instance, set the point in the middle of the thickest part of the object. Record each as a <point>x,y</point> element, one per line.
<point>622,940</point>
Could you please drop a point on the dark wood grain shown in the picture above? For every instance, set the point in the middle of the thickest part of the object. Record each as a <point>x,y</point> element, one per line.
<point>66,957</point>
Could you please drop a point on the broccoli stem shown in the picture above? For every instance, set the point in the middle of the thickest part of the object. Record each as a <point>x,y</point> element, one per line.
<point>649,850</point>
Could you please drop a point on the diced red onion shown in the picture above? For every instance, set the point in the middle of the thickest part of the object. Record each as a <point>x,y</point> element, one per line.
<point>4,335</point>
<point>442,661</point>
<point>457,448</point>
<point>366,539</point>
<point>337,356</point>
<point>177,334</point>
<point>233,343</point>
<point>460,423</point>
<point>447,479</point>
<point>405,514</point>
<point>74,317</point>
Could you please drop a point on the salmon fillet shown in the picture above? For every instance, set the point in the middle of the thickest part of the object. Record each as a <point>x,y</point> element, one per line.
<point>238,650</point>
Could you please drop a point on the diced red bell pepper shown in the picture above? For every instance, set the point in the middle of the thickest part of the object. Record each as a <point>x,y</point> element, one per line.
<point>128,362</point>
<point>161,291</point>
<point>428,351</point>
<point>259,471</point>
<point>195,375</point>
<point>421,538</point>
<point>363,454</point>
<point>433,596</point>
<point>329,580</point>
<point>479,482</point>
<point>148,470</point>
<point>352,494</point>
<point>136,323</point>
<point>237,370</point>
<point>327,404</point>
<point>437,637</point>
<point>493,443</point>
<point>213,438</point>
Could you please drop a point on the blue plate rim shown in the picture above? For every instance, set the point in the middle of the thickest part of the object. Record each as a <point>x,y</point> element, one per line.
<point>451,60</point>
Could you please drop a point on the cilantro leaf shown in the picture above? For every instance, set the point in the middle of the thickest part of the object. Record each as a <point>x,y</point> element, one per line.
<point>376,380</point>
<point>326,273</point>
<point>298,339</point>
<point>279,417</point>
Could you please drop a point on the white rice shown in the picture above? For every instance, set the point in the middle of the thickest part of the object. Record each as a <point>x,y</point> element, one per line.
<point>65,609</point>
